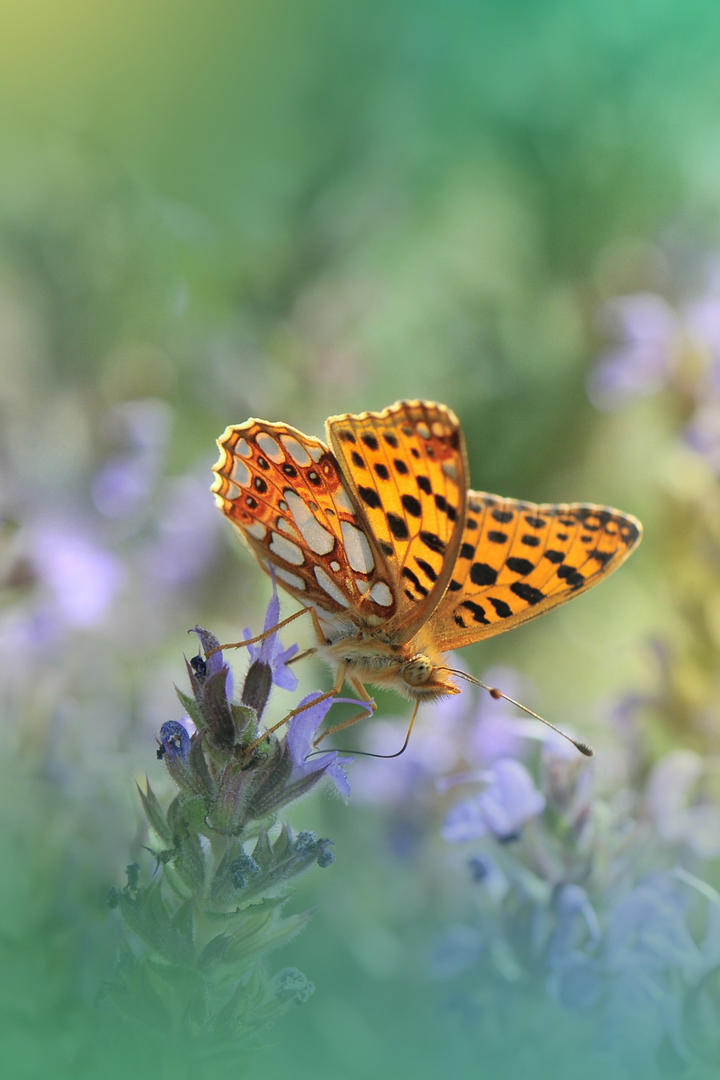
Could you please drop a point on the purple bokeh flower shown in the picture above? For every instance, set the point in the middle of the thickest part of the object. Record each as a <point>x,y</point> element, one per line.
<point>140,430</point>
<point>509,801</point>
<point>679,815</point>
<point>82,578</point>
<point>647,329</point>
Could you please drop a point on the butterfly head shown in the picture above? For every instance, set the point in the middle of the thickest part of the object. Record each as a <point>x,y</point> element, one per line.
<point>424,679</point>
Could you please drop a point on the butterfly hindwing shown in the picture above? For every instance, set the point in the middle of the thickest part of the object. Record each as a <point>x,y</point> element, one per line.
<point>407,469</point>
<point>518,560</point>
<point>285,492</point>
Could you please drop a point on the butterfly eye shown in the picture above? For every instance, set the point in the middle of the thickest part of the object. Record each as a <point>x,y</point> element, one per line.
<point>417,671</point>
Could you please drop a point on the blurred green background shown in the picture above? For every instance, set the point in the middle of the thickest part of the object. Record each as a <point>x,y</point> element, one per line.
<point>210,212</point>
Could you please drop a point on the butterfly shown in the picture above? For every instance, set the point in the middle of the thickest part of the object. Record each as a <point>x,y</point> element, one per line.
<point>379,536</point>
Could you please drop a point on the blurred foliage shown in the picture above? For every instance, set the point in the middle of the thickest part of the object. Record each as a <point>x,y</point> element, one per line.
<point>221,210</point>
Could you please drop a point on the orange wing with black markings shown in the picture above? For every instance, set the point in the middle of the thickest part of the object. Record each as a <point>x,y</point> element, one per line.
<point>518,560</point>
<point>407,471</point>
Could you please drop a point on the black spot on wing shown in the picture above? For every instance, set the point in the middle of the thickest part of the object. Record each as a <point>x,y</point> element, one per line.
<point>527,592</point>
<point>411,576</point>
<point>390,439</point>
<point>370,440</point>
<point>497,537</point>
<point>503,516</point>
<point>400,466</point>
<point>433,542</point>
<point>424,484</point>
<point>520,566</point>
<point>476,610</point>
<point>466,551</point>
<point>445,507</point>
<point>412,505</point>
<point>530,541</point>
<point>358,460</point>
<point>482,574</point>
<point>553,556</point>
<point>573,577</point>
<point>427,569</point>
<point>369,496</point>
<point>397,526</point>
<point>501,608</point>
<point>381,470</point>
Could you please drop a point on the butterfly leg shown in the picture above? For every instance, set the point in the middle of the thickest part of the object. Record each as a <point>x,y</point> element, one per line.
<point>266,633</point>
<point>335,689</point>
<point>362,693</point>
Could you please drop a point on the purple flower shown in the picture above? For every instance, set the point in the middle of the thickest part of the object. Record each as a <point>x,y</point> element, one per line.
<point>702,434</point>
<point>507,803</point>
<point>576,924</point>
<point>678,814</point>
<point>648,329</point>
<point>140,429</point>
<point>302,729</point>
<point>82,578</point>
<point>174,741</point>
<point>647,930</point>
<point>269,651</point>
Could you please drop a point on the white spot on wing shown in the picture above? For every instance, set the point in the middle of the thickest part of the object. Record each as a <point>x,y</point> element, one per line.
<point>362,584</point>
<point>357,548</point>
<point>242,447</point>
<point>270,448</point>
<point>335,566</point>
<point>315,536</point>
<point>381,594</point>
<point>327,584</point>
<point>342,501</point>
<point>286,526</point>
<point>297,452</point>
<point>315,452</point>
<point>240,473</point>
<point>290,579</point>
<point>423,430</point>
<point>285,549</point>
<point>257,529</point>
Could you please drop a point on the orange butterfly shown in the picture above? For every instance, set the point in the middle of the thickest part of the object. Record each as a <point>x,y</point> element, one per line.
<point>380,538</point>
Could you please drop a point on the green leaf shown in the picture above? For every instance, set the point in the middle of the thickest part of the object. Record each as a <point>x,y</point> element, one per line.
<point>192,708</point>
<point>154,812</point>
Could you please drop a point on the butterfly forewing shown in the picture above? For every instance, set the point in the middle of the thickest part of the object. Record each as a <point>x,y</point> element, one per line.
<point>285,493</point>
<point>407,469</point>
<point>518,560</point>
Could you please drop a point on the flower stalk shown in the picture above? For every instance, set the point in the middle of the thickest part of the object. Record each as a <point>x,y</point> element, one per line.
<point>201,927</point>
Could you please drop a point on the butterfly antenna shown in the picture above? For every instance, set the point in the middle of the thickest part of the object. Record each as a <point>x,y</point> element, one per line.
<point>493,691</point>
